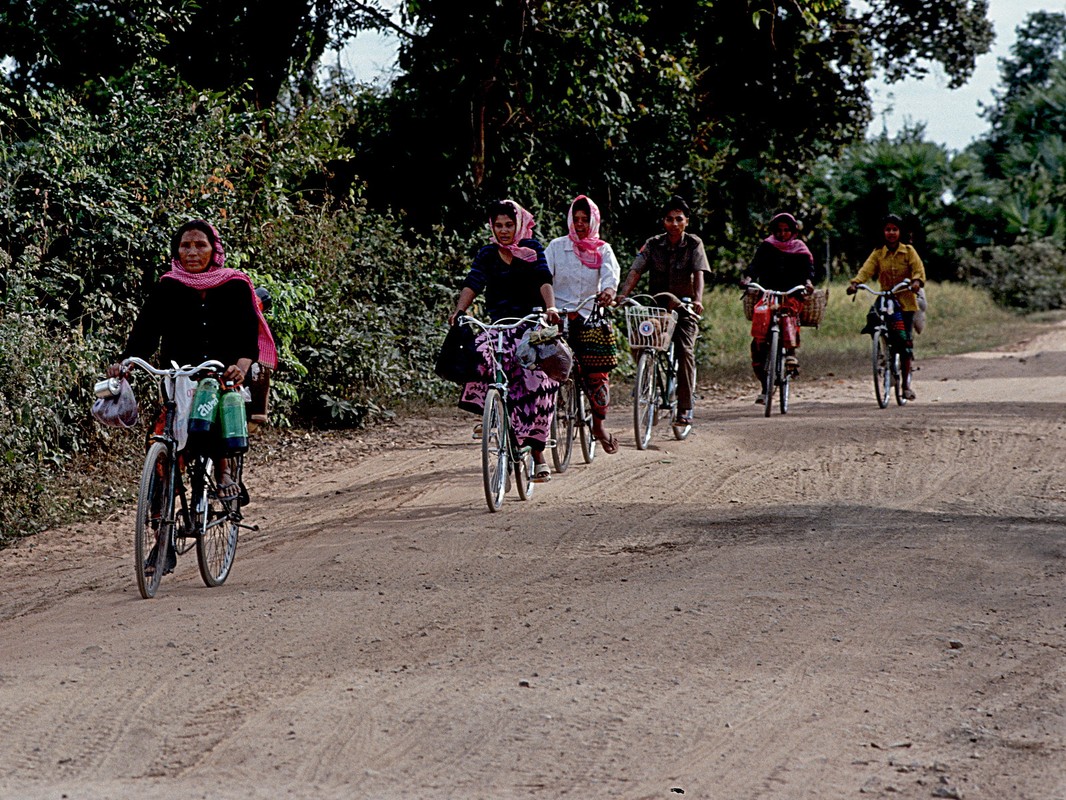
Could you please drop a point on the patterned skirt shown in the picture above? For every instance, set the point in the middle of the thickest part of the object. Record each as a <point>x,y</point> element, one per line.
<point>531,393</point>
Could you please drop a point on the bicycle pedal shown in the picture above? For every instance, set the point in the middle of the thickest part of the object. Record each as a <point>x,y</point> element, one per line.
<point>551,443</point>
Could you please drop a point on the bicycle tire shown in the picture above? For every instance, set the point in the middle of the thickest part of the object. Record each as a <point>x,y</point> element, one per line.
<point>583,413</point>
<point>562,427</point>
<point>523,476</point>
<point>771,370</point>
<point>495,466</point>
<point>644,399</point>
<point>216,543</point>
<point>155,506</point>
<point>880,355</point>
<point>897,380</point>
<point>785,379</point>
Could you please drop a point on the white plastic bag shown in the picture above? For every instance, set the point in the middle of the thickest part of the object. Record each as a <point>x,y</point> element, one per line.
<point>118,411</point>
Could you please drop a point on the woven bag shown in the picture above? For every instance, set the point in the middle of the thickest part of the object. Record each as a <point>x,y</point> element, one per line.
<point>594,344</point>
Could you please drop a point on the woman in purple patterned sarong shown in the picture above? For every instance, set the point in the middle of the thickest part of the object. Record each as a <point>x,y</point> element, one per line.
<point>516,279</point>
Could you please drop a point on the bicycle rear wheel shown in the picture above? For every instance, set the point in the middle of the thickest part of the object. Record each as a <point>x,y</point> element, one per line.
<point>880,355</point>
<point>155,518</point>
<point>771,371</point>
<point>495,463</point>
<point>645,399</point>
<point>583,413</point>
<point>562,427</point>
<point>681,432</point>
<point>523,476</point>
<point>216,522</point>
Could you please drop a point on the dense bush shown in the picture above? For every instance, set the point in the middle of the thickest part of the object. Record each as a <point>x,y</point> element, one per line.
<point>1029,275</point>
<point>87,204</point>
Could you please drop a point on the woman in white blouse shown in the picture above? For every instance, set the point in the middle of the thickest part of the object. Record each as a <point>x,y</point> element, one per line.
<point>582,264</point>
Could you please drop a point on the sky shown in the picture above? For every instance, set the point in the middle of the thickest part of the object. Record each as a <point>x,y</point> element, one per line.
<point>951,116</point>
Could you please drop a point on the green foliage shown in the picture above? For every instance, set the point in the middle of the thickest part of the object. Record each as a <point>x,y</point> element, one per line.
<point>1026,275</point>
<point>904,175</point>
<point>44,397</point>
<point>88,201</point>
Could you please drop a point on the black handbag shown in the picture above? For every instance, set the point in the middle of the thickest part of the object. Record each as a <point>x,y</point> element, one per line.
<point>458,360</point>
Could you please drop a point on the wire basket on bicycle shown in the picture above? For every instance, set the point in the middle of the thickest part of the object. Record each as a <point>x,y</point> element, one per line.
<point>650,327</point>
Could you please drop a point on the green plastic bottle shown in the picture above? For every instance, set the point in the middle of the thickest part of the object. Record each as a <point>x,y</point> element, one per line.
<point>203,415</point>
<point>234,422</point>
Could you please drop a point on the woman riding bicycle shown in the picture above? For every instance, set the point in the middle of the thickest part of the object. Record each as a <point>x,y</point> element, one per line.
<point>202,310</point>
<point>582,264</point>
<point>515,278</point>
<point>781,261</point>
<point>891,263</point>
<point>677,264</point>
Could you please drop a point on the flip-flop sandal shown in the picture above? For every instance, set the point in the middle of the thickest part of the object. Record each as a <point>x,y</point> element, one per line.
<point>542,473</point>
<point>228,491</point>
<point>610,444</point>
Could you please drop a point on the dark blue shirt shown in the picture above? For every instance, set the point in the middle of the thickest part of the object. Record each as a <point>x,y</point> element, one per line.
<point>511,290</point>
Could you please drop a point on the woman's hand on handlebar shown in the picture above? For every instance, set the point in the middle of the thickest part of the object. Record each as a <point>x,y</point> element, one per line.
<point>116,371</point>
<point>551,315</point>
<point>605,298</point>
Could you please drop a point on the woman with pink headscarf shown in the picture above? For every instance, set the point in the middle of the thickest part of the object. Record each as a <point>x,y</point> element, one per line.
<point>781,261</point>
<point>582,265</point>
<point>201,310</point>
<point>512,273</point>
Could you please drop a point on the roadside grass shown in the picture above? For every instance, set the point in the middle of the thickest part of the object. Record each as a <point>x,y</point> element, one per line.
<point>960,319</point>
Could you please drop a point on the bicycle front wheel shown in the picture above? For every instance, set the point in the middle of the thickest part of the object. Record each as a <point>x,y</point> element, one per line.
<point>583,413</point>
<point>644,399</point>
<point>897,380</point>
<point>771,371</point>
<point>785,379</point>
<point>562,427</point>
<point>155,518</point>
<point>495,464</point>
<point>216,522</point>
<point>881,355</point>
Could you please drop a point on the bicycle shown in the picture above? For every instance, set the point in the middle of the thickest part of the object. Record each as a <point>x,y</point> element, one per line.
<point>572,409</point>
<point>172,520</point>
<point>500,452</point>
<point>778,375</point>
<point>650,329</point>
<point>885,358</point>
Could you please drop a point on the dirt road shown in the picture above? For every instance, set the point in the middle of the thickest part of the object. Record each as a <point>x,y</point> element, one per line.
<point>843,602</point>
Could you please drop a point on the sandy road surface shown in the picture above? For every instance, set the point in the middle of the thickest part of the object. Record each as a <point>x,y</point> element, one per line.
<point>844,602</point>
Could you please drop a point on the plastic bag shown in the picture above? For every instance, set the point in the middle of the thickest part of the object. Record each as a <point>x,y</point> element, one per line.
<point>919,315</point>
<point>117,411</point>
<point>545,350</point>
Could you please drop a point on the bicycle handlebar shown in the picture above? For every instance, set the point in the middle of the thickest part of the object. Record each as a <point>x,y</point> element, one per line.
<point>674,303</point>
<point>590,299</point>
<point>903,285</point>
<point>754,287</point>
<point>175,371</point>
<point>502,324</point>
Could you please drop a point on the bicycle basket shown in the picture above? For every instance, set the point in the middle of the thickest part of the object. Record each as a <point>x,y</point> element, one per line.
<point>650,327</point>
<point>814,308</point>
<point>750,299</point>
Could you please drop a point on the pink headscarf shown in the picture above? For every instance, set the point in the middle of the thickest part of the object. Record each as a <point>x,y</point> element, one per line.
<point>523,230</point>
<point>215,275</point>
<point>793,245</point>
<point>587,250</point>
